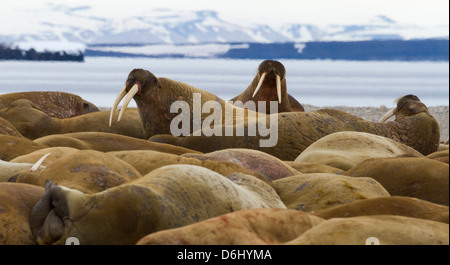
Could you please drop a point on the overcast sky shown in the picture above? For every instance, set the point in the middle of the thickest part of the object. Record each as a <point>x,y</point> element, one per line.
<point>274,12</point>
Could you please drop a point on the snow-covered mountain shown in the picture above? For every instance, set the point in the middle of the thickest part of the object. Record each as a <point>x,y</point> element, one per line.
<point>80,24</point>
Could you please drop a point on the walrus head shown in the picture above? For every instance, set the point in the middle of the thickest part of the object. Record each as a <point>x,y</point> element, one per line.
<point>270,75</point>
<point>406,106</point>
<point>154,97</point>
<point>269,84</point>
<point>414,124</point>
<point>139,82</point>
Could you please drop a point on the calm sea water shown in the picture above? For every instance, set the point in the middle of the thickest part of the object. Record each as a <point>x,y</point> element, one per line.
<point>319,83</point>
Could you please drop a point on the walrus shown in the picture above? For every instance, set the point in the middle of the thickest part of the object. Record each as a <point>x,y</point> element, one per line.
<point>269,84</point>
<point>345,150</point>
<point>413,126</point>
<point>377,229</point>
<point>418,177</point>
<point>87,171</point>
<point>246,227</point>
<point>160,99</point>
<point>393,205</point>
<point>55,104</point>
<point>32,123</point>
<point>146,161</point>
<point>55,154</point>
<point>168,197</point>
<point>13,146</point>
<point>107,142</point>
<point>16,202</point>
<point>315,191</point>
<point>271,167</point>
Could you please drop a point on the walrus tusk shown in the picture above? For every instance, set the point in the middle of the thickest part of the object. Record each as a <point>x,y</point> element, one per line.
<point>261,80</point>
<point>388,114</point>
<point>116,103</point>
<point>133,91</point>
<point>38,163</point>
<point>279,88</point>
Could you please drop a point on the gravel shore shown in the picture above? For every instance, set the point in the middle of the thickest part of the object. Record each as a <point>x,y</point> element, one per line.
<point>440,113</point>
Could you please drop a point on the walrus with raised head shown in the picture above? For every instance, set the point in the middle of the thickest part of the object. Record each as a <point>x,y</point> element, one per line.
<point>269,84</point>
<point>155,98</point>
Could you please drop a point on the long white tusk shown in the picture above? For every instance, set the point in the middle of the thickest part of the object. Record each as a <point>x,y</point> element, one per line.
<point>133,91</point>
<point>261,80</point>
<point>388,114</point>
<point>279,88</point>
<point>38,163</point>
<point>116,103</point>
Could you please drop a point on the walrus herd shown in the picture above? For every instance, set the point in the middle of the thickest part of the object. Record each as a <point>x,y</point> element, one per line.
<point>177,170</point>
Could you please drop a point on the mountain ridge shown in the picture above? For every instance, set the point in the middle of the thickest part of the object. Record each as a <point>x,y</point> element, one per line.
<point>167,26</point>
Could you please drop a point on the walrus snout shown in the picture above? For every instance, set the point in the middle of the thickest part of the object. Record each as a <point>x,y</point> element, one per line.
<point>48,215</point>
<point>278,83</point>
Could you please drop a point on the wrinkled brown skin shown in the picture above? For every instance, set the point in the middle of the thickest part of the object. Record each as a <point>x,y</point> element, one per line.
<point>442,156</point>
<point>12,146</point>
<point>413,126</point>
<point>268,90</point>
<point>6,128</point>
<point>32,123</point>
<point>345,150</point>
<point>107,142</point>
<point>169,197</point>
<point>55,154</point>
<point>393,205</point>
<point>388,229</point>
<point>307,167</point>
<point>245,227</point>
<point>156,95</point>
<point>271,167</point>
<point>85,170</point>
<point>55,104</point>
<point>16,202</point>
<point>421,178</point>
<point>315,191</point>
<point>146,161</point>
